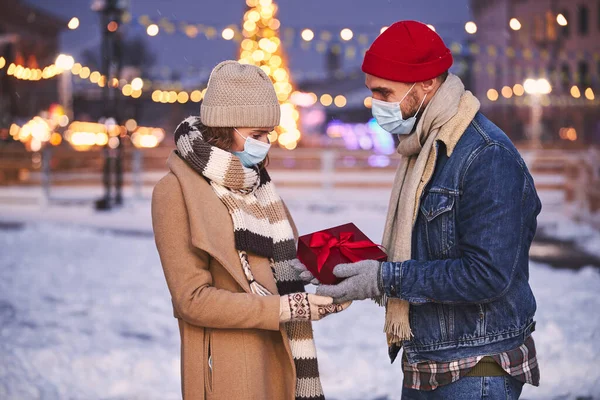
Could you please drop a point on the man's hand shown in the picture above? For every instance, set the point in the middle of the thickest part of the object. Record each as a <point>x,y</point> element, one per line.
<point>362,280</point>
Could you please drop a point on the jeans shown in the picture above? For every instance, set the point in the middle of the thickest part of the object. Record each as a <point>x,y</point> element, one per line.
<point>471,388</point>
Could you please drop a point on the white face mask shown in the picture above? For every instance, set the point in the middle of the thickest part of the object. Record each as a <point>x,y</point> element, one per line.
<point>389,115</point>
<point>254,152</point>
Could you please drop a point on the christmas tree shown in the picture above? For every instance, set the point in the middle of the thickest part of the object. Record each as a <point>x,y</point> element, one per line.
<point>261,46</point>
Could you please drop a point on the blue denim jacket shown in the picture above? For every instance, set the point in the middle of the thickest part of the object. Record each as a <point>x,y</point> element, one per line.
<point>468,279</point>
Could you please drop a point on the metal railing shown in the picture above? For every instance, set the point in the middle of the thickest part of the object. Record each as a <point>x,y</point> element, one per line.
<point>574,173</point>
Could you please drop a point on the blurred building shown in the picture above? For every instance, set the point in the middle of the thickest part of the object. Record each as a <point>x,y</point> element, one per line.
<point>557,40</point>
<point>30,38</point>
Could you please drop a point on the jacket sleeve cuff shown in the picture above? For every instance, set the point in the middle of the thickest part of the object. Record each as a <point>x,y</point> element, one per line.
<point>391,278</point>
<point>285,313</point>
<point>272,313</point>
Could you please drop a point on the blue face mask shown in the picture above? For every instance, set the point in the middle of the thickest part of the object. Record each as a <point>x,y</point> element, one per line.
<point>389,115</point>
<point>254,152</point>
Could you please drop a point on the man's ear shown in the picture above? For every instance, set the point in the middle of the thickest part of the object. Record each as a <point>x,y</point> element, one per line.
<point>429,85</point>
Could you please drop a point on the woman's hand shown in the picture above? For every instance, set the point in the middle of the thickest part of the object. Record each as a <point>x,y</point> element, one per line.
<point>303,273</point>
<point>308,307</point>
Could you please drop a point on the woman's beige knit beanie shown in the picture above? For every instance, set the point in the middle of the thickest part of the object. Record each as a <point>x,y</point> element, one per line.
<point>240,95</point>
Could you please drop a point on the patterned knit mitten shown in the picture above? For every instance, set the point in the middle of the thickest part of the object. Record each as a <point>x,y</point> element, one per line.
<point>307,307</point>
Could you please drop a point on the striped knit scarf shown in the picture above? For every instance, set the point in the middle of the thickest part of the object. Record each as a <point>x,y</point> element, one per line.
<point>261,227</point>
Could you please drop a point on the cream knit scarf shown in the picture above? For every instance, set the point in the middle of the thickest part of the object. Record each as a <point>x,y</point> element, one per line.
<point>260,226</point>
<point>413,174</point>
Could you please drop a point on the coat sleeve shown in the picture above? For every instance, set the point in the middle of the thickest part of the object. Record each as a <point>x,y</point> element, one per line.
<point>189,280</point>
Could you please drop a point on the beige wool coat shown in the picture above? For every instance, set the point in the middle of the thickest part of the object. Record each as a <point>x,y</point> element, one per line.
<point>218,316</point>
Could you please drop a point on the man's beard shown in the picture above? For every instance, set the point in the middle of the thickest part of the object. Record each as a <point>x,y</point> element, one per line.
<point>415,102</point>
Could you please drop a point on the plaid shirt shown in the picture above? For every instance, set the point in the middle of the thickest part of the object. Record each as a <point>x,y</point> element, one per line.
<point>521,363</point>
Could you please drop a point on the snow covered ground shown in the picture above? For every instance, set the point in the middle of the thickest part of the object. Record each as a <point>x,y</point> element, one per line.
<point>85,313</point>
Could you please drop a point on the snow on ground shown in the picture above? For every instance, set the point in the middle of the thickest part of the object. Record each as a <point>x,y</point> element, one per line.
<point>556,221</point>
<point>85,313</point>
<point>563,228</point>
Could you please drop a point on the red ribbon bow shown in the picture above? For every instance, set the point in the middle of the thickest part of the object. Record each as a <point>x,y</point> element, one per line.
<point>325,242</point>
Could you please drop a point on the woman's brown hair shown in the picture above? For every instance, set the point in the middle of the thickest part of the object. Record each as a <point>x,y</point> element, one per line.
<point>217,136</point>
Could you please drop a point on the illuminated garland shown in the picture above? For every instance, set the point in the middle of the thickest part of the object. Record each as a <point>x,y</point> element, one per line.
<point>546,101</point>
<point>132,89</point>
<point>129,89</point>
<point>136,86</point>
<point>30,74</point>
<point>347,41</point>
<point>352,42</point>
<point>518,90</point>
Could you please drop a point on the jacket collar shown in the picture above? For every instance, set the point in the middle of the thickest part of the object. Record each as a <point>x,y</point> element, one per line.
<point>211,226</point>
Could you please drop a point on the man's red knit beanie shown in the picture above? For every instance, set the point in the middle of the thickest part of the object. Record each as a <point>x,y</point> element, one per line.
<point>408,51</point>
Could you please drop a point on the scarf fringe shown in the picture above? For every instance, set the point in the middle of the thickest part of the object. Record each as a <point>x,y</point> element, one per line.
<point>397,321</point>
<point>398,331</point>
<point>259,289</point>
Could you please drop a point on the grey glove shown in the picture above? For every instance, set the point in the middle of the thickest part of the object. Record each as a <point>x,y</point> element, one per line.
<point>363,281</point>
<point>303,273</point>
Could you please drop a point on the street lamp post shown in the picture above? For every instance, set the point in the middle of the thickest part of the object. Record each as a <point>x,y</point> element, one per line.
<point>111,15</point>
<point>536,121</point>
<point>65,87</point>
<point>536,88</point>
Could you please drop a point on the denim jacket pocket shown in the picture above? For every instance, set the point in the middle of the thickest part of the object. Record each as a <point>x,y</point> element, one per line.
<point>432,323</point>
<point>438,212</point>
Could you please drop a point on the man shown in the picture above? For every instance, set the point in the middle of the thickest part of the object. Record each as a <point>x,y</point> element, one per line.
<point>461,219</point>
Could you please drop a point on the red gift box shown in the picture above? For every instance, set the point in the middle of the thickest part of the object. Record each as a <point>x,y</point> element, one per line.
<point>322,251</point>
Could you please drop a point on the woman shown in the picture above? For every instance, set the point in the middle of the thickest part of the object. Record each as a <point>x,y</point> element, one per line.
<point>227,246</point>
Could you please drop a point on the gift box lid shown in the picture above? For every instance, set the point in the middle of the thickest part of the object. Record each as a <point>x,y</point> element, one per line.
<point>350,245</point>
<point>336,231</point>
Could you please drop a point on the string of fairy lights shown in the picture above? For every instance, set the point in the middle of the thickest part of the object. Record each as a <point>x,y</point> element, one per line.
<point>339,38</point>
<point>30,74</point>
<point>136,87</point>
<point>261,41</point>
<point>325,39</point>
<point>342,40</point>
